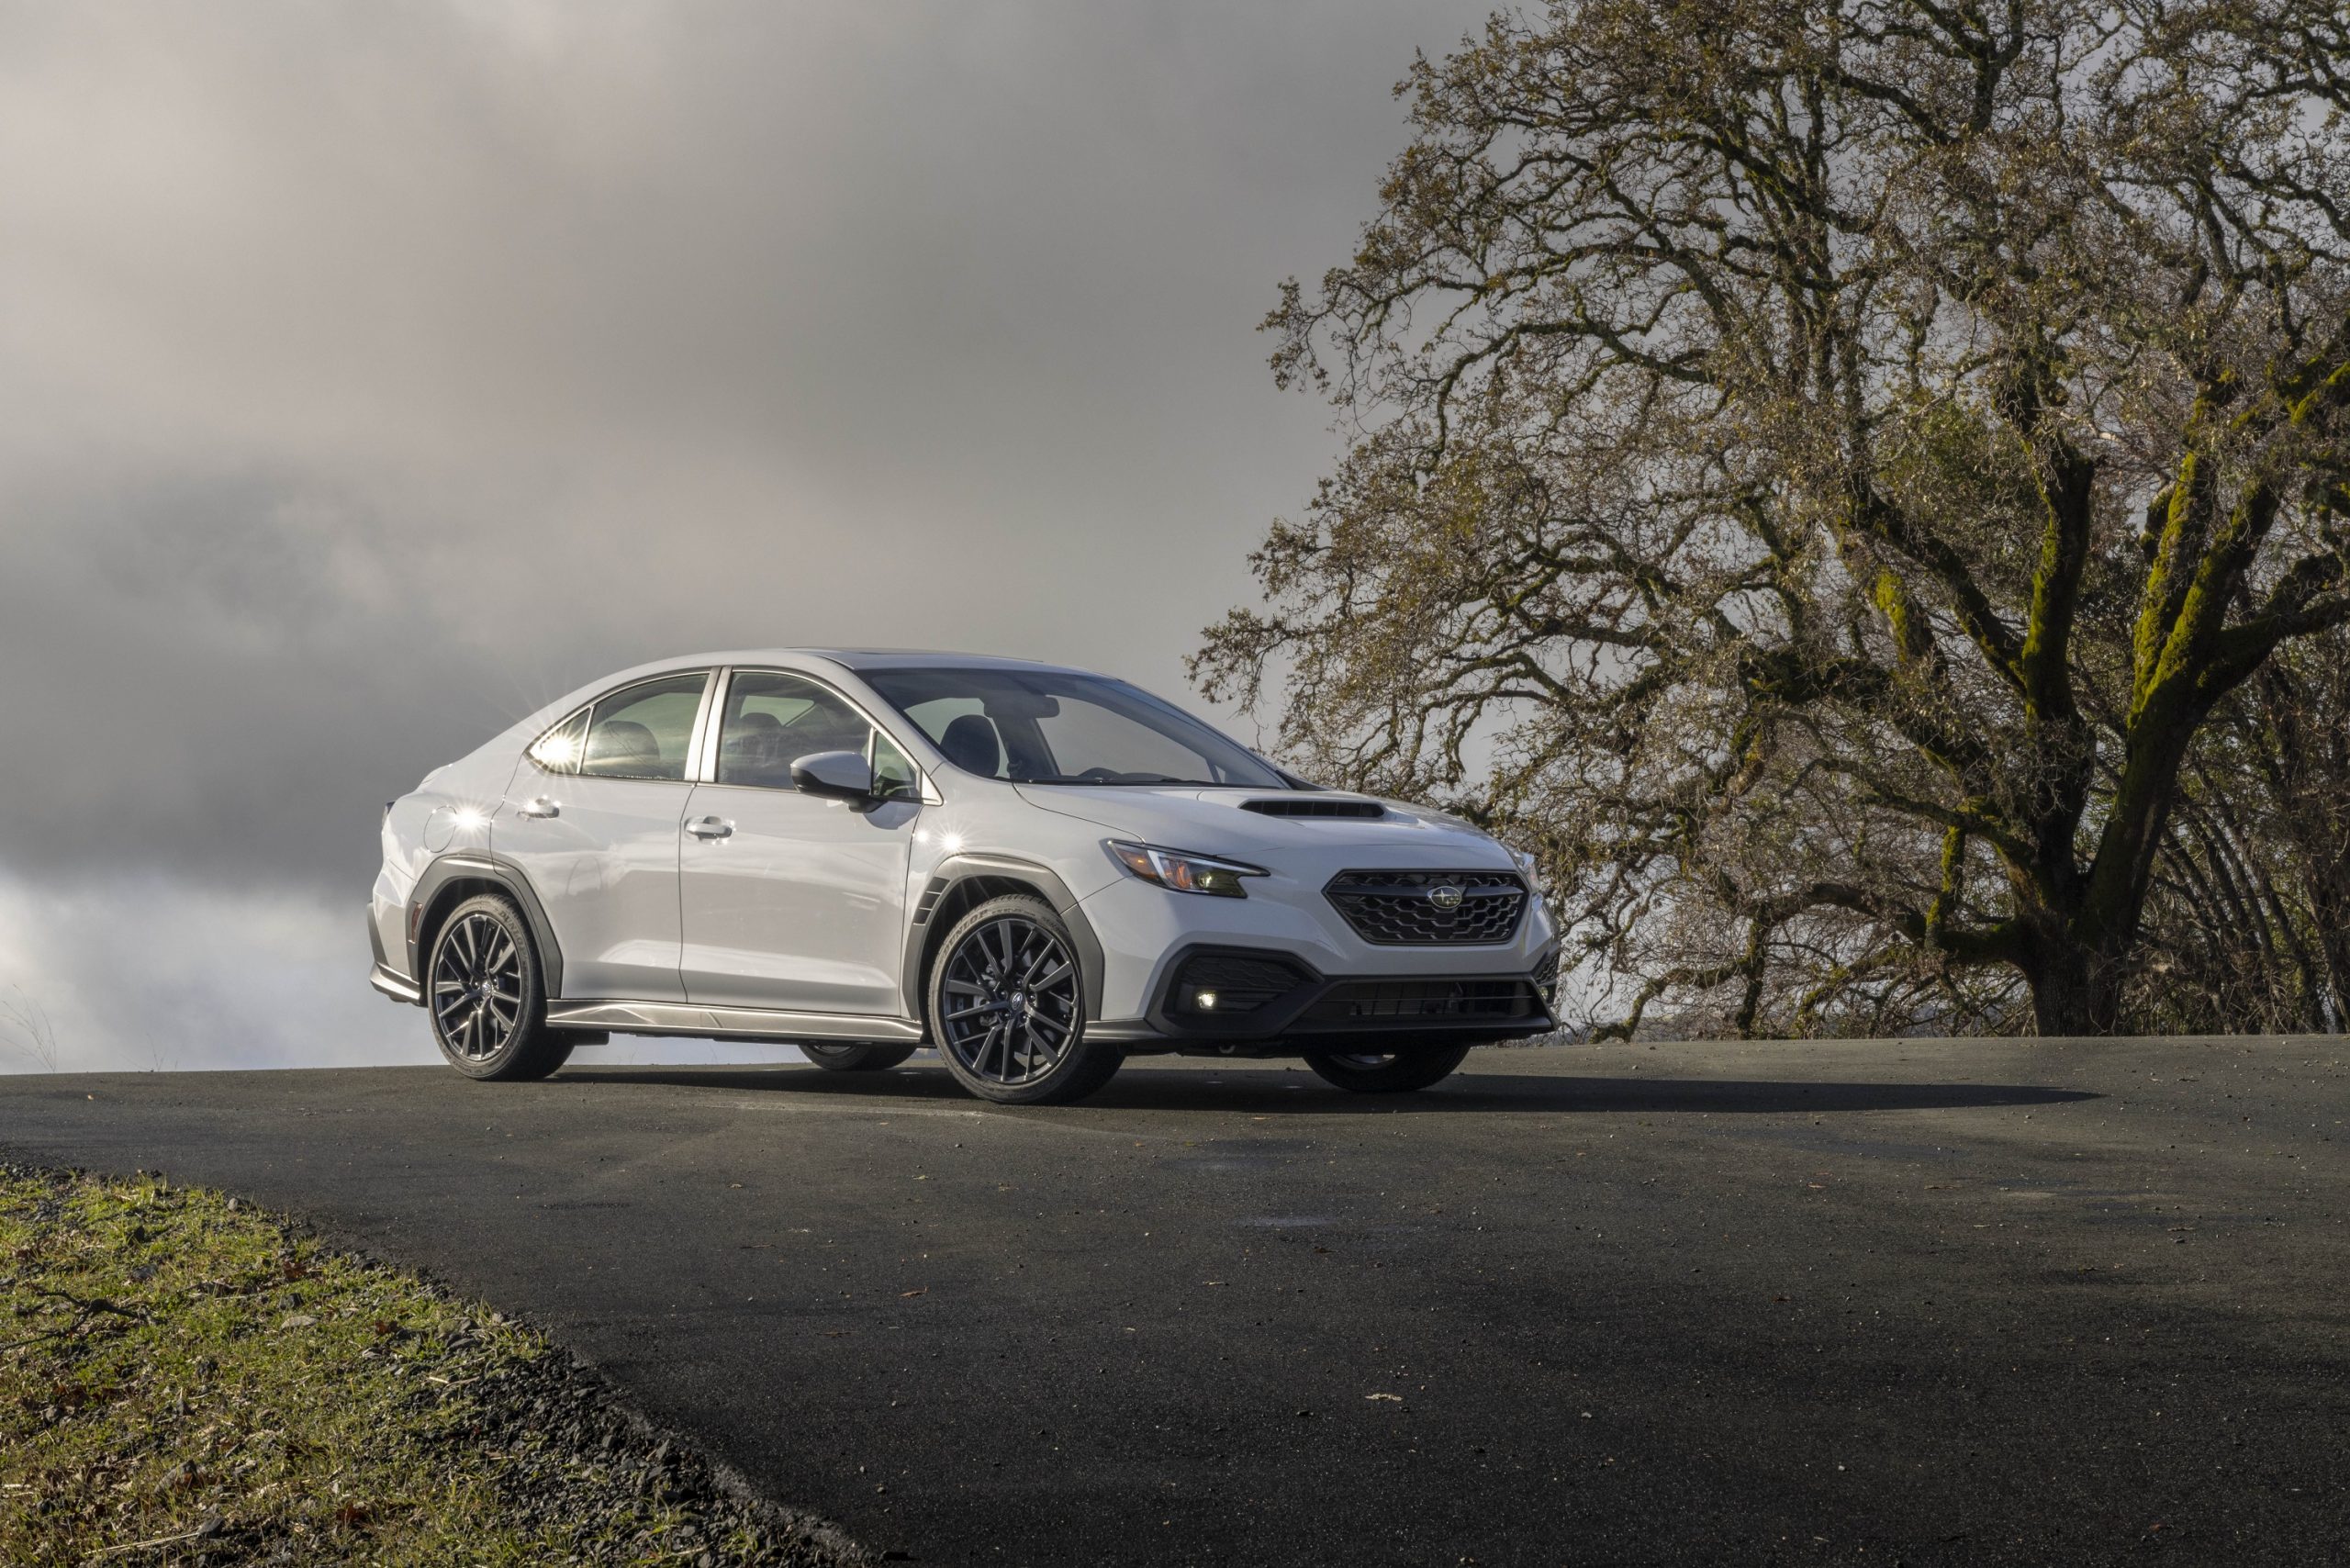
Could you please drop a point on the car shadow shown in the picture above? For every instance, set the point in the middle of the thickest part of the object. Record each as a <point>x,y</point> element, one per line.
<point>1295,1092</point>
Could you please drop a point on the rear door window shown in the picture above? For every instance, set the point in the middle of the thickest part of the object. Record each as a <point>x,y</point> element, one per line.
<point>643,731</point>
<point>558,750</point>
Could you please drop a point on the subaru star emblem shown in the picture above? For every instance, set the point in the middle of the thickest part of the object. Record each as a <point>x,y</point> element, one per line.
<point>1444,896</point>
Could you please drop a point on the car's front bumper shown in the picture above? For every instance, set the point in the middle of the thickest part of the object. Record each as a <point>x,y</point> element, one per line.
<point>1147,936</point>
<point>1239,1002</point>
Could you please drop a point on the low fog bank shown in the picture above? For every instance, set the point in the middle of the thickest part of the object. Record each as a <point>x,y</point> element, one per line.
<point>153,975</point>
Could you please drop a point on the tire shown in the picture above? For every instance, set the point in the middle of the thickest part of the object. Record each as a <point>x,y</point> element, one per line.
<point>853,1058</point>
<point>485,997</point>
<point>1006,1007</point>
<point>1390,1072</point>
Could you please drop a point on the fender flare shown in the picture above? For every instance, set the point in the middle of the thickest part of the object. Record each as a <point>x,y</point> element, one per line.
<point>476,865</point>
<point>968,865</point>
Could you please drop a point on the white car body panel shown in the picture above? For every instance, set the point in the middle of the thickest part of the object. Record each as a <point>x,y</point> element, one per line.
<point>605,870</point>
<point>802,904</point>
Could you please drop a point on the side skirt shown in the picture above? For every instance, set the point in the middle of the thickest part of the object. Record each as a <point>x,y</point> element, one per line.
<point>730,1023</point>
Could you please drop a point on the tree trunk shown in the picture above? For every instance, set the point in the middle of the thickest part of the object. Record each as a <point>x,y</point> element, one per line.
<point>2075,991</point>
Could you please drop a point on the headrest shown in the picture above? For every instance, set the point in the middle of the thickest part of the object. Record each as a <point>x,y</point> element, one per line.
<point>621,745</point>
<point>751,752</point>
<point>970,744</point>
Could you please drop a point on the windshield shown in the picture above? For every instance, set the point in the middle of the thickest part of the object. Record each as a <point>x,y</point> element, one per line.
<point>1043,727</point>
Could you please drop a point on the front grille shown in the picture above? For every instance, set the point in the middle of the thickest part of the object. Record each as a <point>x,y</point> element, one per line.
<point>1385,1001</point>
<point>1311,806</point>
<point>1397,909</point>
<point>1241,983</point>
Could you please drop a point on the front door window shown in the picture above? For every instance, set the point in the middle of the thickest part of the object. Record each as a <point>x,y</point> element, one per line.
<point>773,720</point>
<point>893,772</point>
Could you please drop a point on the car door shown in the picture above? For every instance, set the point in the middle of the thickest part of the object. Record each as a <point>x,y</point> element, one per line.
<point>790,901</point>
<point>591,819</point>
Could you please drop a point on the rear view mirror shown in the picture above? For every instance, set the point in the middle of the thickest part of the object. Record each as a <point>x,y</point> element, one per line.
<point>840,775</point>
<point>1021,705</point>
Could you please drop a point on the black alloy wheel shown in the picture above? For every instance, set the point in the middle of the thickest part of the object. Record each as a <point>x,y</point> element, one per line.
<point>476,987</point>
<point>483,995</point>
<point>1007,1007</point>
<point>1387,1072</point>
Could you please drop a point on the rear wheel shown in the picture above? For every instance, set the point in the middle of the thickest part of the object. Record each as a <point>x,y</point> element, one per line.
<point>482,993</point>
<point>1007,1007</point>
<point>855,1059</point>
<point>1387,1072</point>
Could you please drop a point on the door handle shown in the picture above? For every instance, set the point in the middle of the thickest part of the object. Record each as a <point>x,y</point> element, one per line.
<point>539,806</point>
<point>710,827</point>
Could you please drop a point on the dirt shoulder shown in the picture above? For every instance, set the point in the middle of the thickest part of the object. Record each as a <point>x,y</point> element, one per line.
<point>184,1379</point>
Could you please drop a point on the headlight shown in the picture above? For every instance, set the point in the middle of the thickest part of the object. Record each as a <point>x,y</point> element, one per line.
<point>1182,872</point>
<point>1529,868</point>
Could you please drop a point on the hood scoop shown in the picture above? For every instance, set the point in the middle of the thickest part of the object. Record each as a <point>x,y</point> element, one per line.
<point>1313,806</point>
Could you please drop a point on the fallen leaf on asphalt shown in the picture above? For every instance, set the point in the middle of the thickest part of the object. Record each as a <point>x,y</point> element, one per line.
<point>1395,1399</point>
<point>924,1291</point>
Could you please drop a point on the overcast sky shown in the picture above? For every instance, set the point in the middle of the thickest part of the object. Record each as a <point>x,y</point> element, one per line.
<point>371,374</point>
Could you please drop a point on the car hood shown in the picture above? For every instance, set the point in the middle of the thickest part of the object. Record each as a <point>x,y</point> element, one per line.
<point>1216,821</point>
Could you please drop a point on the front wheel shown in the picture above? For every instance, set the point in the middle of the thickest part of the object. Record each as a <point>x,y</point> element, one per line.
<point>1007,1007</point>
<point>487,1003</point>
<point>1387,1072</point>
<point>856,1059</point>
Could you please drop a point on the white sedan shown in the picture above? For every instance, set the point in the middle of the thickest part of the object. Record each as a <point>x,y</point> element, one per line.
<point>1038,872</point>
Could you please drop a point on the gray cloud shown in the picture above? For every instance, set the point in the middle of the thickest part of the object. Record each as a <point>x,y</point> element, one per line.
<point>370,373</point>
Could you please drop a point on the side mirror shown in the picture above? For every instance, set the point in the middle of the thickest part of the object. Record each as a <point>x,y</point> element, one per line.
<point>840,775</point>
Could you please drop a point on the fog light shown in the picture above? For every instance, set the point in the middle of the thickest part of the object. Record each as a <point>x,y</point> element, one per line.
<point>1205,1001</point>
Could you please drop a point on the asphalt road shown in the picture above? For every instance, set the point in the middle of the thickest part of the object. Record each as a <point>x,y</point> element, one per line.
<point>1918,1301</point>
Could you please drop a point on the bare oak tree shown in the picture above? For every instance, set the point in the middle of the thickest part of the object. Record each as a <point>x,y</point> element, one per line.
<point>1815,470</point>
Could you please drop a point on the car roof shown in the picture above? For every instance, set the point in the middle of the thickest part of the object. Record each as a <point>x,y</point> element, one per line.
<point>879,658</point>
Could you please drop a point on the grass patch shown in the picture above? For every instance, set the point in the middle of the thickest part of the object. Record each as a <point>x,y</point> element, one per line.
<point>184,1379</point>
